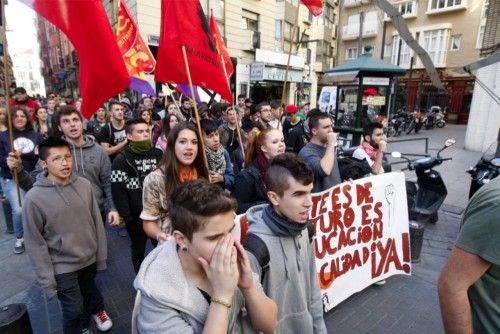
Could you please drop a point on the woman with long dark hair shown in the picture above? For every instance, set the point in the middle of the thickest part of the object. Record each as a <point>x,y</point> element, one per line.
<point>25,145</point>
<point>168,123</point>
<point>183,161</point>
<point>42,124</point>
<point>249,188</point>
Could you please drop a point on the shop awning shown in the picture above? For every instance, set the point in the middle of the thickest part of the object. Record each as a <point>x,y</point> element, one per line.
<point>334,77</point>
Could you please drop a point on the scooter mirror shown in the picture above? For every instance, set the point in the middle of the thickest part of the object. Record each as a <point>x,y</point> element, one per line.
<point>449,142</point>
<point>396,154</point>
<point>495,162</point>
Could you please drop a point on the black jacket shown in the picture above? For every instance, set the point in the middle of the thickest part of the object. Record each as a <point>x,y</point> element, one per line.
<point>127,176</point>
<point>297,138</point>
<point>249,189</point>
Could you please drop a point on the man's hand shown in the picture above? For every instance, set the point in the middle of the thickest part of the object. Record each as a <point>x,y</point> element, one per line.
<point>382,146</point>
<point>113,218</point>
<point>332,139</point>
<point>14,161</point>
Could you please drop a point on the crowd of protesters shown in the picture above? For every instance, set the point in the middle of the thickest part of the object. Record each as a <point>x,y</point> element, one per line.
<point>147,167</point>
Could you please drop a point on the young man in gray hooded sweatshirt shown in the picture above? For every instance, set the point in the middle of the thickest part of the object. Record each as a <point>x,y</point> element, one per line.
<point>66,252</point>
<point>282,228</point>
<point>90,160</point>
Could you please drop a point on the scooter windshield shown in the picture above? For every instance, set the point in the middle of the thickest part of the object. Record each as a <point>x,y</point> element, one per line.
<point>492,152</point>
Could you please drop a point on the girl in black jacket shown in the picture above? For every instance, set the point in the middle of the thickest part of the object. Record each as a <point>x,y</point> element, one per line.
<point>249,187</point>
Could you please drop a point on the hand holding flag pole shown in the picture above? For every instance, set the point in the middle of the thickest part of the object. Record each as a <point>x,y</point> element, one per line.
<point>7,95</point>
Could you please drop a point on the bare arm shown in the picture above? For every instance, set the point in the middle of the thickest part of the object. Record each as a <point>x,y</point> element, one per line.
<point>461,271</point>
<point>152,230</point>
<point>377,163</point>
<point>327,162</point>
<point>112,150</point>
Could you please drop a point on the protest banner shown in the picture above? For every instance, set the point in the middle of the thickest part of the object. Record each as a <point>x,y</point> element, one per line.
<point>361,235</point>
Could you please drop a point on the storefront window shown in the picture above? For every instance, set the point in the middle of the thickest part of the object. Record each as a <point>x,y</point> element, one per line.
<point>374,104</point>
<point>347,96</point>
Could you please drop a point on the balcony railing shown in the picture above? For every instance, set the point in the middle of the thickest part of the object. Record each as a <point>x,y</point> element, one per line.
<point>351,31</point>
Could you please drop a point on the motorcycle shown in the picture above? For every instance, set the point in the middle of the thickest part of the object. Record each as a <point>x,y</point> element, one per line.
<point>417,120</point>
<point>486,169</point>
<point>426,196</point>
<point>398,123</point>
<point>435,117</point>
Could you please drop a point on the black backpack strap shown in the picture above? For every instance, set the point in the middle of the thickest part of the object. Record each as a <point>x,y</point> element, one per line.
<point>311,231</point>
<point>255,245</point>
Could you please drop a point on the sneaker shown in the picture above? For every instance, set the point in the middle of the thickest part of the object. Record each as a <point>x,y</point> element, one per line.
<point>86,331</point>
<point>382,282</point>
<point>19,246</point>
<point>102,321</point>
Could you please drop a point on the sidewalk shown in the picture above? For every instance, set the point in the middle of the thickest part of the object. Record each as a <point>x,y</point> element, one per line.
<point>410,304</point>
<point>406,304</point>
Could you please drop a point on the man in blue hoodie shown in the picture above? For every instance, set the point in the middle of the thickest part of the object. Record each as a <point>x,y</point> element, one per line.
<point>287,270</point>
<point>66,252</point>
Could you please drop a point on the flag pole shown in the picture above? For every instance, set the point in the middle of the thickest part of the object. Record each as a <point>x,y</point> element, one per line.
<point>7,95</point>
<point>188,72</point>
<point>171,94</point>
<point>283,94</point>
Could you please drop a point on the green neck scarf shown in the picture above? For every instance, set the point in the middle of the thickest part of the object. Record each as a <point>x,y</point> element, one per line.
<point>140,147</point>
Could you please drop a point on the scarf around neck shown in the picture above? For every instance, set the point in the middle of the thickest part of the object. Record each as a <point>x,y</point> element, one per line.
<point>262,164</point>
<point>216,160</point>
<point>281,226</point>
<point>187,173</point>
<point>369,149</point>
<point>140,147</point>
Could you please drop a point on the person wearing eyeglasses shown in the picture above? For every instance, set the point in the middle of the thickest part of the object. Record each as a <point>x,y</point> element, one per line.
<point>66,252</point>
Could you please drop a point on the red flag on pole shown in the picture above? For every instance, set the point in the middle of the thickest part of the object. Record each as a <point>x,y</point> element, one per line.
<point>314,6</point>
<point>137,57</point>
<point>102,71</point>
<point>183,23</point>
<point>221,47</point>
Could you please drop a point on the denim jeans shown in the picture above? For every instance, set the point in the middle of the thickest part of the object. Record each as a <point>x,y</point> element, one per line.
<point>10,192</point>
<point>79,297</point>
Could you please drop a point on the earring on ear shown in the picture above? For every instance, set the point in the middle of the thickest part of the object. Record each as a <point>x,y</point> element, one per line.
<point>184,248</point>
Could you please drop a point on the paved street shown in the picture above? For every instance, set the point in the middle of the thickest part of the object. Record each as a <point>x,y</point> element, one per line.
<point>404,305</point>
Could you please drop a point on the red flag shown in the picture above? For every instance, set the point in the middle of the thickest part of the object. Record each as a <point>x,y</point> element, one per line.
<point>102,71</point>
<point>221,47</point>
<point>137,57</point>
<point>314,6</point>
<point>183,23</point>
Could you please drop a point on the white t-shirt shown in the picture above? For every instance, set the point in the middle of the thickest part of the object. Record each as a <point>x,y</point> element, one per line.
<point>361,154</point>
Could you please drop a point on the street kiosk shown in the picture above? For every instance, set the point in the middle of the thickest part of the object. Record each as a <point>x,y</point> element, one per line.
<point>363,92</point>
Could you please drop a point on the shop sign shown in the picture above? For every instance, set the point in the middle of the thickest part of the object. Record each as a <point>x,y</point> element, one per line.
<point>257,71</point>
<point>376,81</point>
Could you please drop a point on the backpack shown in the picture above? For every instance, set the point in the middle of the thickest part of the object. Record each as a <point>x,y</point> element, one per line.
<point>255,245</point>
<point>352,168</point>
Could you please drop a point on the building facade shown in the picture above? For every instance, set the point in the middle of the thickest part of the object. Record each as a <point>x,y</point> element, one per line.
<point>451,31</point>
<point>258,35</point>
<point>27,73</point>
<point>59,61</point>
<point>484,122</point>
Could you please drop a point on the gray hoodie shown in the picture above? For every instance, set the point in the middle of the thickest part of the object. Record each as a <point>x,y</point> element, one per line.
<point>63,229</point>
<point>92,162</point>
<point>291,279</point>
<point>167,302</point>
